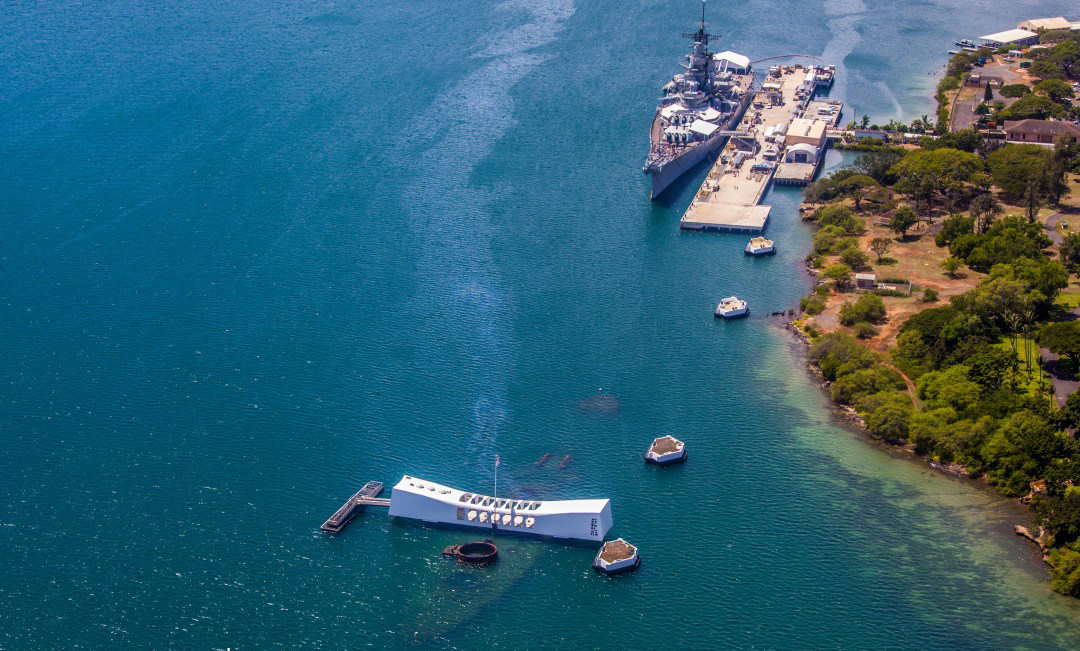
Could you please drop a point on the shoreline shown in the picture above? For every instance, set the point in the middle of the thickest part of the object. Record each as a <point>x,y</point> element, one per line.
<point>849,420</point>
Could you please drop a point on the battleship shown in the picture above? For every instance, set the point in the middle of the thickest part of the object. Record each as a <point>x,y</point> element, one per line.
<point>698,110</point>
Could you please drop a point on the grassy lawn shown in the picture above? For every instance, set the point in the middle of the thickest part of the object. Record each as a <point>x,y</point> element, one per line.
<point>1027,351</point>
<point>1068,300</point>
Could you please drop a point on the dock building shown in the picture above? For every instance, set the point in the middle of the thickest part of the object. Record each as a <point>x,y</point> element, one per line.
<point>781,140</point>
<point>1010,37</point>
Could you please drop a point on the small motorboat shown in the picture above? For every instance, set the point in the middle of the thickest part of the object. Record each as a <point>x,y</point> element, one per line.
<point>760,246</point>
<point>731,307</point>
<point>965,43</point>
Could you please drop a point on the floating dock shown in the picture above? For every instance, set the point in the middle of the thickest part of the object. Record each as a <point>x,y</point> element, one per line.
<point>782,136</point>
<point>366,496</point>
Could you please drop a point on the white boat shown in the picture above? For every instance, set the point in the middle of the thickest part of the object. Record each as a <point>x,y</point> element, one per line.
<point>732,307</point>
<point>419,499</point>
<point>760,246</point>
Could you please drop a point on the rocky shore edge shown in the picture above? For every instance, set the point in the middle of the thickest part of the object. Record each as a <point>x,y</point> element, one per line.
<point>852,418</point>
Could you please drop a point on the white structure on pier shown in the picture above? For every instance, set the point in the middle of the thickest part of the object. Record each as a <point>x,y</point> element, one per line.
<point>419,499</point>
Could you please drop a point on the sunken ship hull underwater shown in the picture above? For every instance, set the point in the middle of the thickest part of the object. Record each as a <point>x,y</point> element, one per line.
<point>698,111</point>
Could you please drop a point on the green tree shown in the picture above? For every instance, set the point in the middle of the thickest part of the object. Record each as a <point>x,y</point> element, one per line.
<point>857,187</point>
<point>988,93</point>
<point>865,381</point>
<point>837,353</point>
<point>1070,251</point>
<point>990,366</point>
<point>880,246</point>
<point>837,214</point>
<point>868,307</point>
<point>1014,90</point>
<point>1032,107</point>
<point>864,330</point>
<point>876,164</point>
<point>1055,89</point>
<point>951,265</point>
<point>923,174</point>
<point>1065,575</point>
<point>984,209</point>
<point>1033,195</point>
<point>854,258</point>
<point>902,220</point>
<point>1014,166</point>
<point>1064,339</point>
<point>839,274</point>
<point>1054,170</point>
<point>954,227</point>
<point>890,421</point>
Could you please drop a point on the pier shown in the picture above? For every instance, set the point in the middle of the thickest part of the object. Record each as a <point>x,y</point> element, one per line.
<point>366,496</point>
<point>782,137</point>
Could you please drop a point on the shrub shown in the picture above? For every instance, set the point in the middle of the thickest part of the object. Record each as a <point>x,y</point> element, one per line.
<point>889,422</point>
<point>865,330</point>
<point>837,354</point>
<point>954,227</point>
<point>929,295</point>
<point>1065,576</point>
<point>812,304</point>
<point>868,307</point>
<point>890,292</point>
<point>839,215</point>
<point>865,381</point>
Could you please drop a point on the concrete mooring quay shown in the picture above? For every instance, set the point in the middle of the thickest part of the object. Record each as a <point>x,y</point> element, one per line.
<point>786,135</point>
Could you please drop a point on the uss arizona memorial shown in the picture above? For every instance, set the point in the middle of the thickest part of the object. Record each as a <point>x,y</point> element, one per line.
<point>419,499</point>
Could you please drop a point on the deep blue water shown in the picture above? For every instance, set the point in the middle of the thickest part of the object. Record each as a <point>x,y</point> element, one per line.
<point>255,254</point>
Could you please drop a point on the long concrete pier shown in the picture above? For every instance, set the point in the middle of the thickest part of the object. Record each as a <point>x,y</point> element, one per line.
<point>779,118</point>
<point>366,496</point>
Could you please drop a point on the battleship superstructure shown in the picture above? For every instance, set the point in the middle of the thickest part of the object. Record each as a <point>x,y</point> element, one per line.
<point>698,110</point>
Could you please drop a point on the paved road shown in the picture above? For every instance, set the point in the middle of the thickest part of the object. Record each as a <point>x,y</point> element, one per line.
<point>963,115</point>
<point>1060,375</point>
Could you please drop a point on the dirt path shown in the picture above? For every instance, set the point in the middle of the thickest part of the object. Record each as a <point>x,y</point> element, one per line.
<point>910,386</point>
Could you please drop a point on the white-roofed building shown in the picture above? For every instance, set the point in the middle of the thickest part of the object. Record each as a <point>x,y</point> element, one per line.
<point>1011,37</point>
<point>703,128</point>
<point>811,132</point>
<point>419,499</point>
<point>801,153</point>
<point>736,63</point>
<point>1035,24</point>
<point>709,114</point>
<point>671,110</point>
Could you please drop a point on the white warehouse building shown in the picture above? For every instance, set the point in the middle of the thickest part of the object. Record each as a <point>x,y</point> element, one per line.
<point>419,499</point>
<point>738,64</point>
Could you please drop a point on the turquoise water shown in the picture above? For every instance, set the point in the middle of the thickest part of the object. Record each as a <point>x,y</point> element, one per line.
<point>255,255</point>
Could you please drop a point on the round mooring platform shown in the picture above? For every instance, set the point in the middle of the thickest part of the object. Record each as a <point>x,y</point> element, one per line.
<point>665,451</point>
<point>616,556</point>
<point>478,553</point>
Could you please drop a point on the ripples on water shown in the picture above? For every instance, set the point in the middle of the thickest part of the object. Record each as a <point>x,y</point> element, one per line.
<point>259,254</point>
